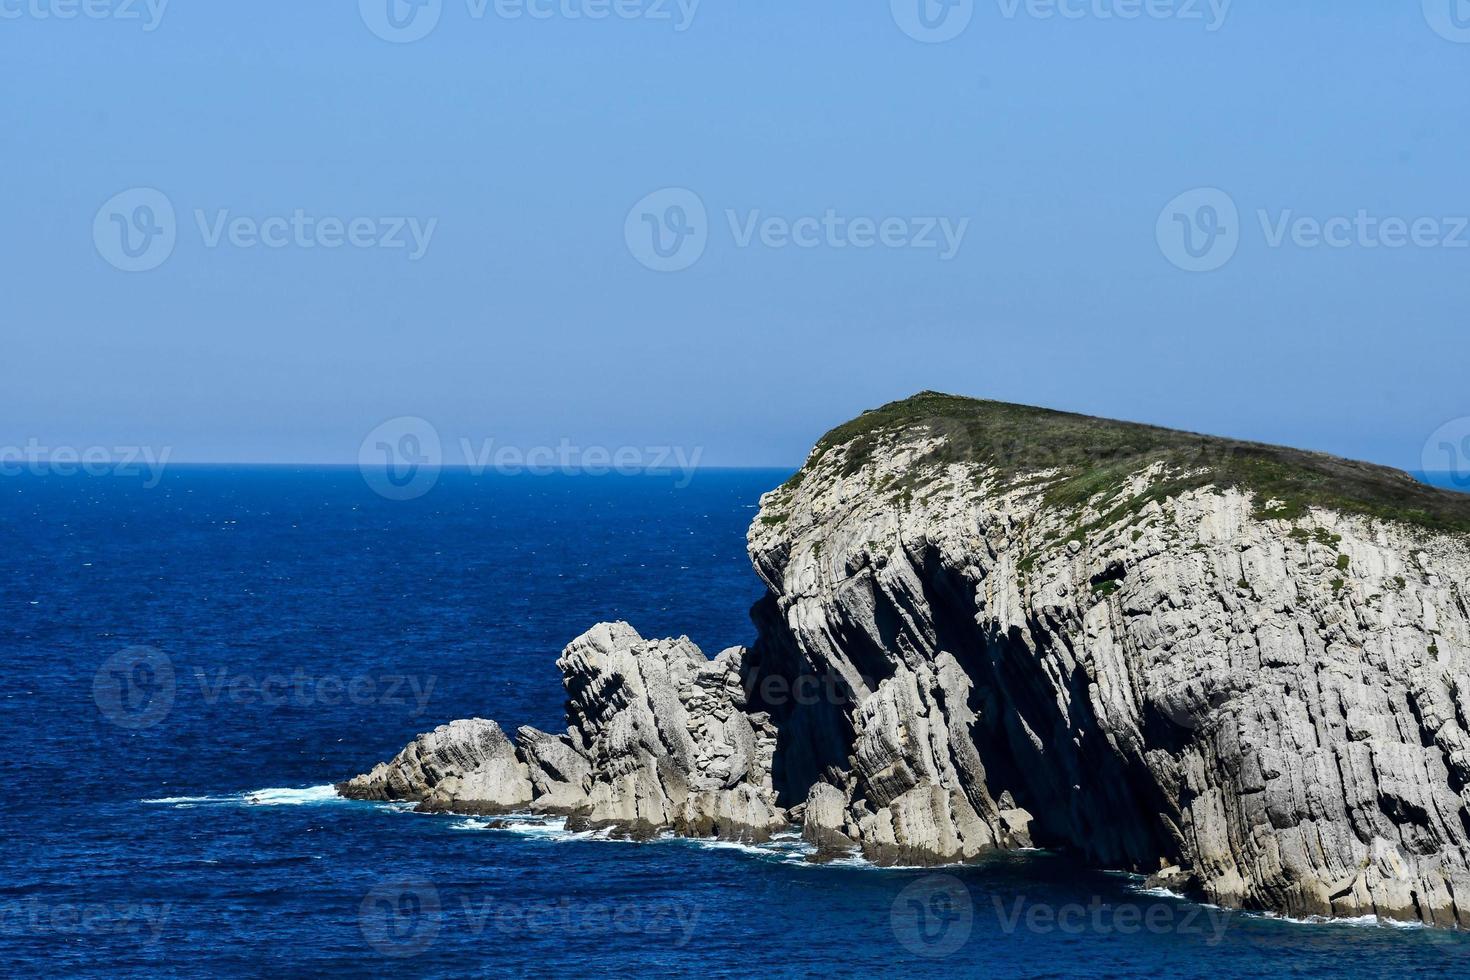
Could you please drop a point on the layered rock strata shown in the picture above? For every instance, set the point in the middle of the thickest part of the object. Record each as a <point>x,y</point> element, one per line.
<point>658,739</point>
<point>1274,713</point>
<point>1263,701</point>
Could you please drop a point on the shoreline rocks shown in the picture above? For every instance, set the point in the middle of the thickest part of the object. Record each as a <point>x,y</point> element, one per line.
<point>658,739</point>
<point>469,766</point>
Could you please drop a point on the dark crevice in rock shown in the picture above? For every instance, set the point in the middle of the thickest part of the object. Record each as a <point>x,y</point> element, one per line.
<point>811,739</point>
<point>1114,573</point>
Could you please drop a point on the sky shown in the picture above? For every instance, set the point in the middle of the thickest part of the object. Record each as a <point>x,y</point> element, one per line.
<point>259,232</point>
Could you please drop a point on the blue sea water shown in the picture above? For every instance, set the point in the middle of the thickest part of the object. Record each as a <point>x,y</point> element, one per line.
<point>188,666</point>
<point>1457,480</point>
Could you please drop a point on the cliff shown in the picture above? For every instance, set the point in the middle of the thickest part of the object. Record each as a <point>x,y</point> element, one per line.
<point>1241,668</point>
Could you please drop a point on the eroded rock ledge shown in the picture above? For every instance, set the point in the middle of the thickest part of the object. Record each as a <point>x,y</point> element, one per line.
<point>1142,659</point>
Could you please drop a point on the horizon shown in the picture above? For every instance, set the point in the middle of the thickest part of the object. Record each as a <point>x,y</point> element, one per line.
<point>475,451</point>
<point>477,454</point>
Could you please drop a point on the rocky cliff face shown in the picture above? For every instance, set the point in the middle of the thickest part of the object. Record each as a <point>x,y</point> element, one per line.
<point>1271,712</point>
<point>1235,667</point>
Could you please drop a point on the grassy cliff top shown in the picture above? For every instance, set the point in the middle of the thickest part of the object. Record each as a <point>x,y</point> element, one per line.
<point>1096,455</point>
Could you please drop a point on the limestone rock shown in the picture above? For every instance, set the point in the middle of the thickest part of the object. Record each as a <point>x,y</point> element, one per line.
<point>670,742</point>
<point>658,740</point>
<point>559,773</point>
<point>470,764</point>
<point>825,820</point>
<point>1160,675</point>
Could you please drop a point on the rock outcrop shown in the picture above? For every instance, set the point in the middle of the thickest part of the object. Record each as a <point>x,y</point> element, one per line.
<point>470,766</point>
<point>1241,668</point>
<point>658,739</point>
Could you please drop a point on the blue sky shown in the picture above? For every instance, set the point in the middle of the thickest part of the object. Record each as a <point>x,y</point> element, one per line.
<point>526,310</point>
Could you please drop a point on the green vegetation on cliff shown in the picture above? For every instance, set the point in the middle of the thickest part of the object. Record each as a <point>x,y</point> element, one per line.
<point>1095,456</point>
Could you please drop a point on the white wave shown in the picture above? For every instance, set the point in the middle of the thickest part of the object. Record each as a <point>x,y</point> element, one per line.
<point>1396,924</point>
<point>270,796</point>
<point>533,826</point>
<point>550,827</point>
<point>1369,921</point>
<point>791,849</point>
<point>469,824</point>
<point>292,797</point>
<point>785,848</point>
<point>850,861</point>
<point>397,806</point>
<point>714,844</point>
<point>553,829</point>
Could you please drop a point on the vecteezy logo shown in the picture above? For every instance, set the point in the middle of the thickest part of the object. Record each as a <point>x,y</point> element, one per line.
<point>1199,230</point>
<point>400,918</point>
<point>933,916</point>
<point>401,21</point>
<point>933,21</point>
<point>668,230</point>
<point>400,459</point>
<point>135,688</point>
<point>135,231</point>
<point>1449,18</point>
<point>1448,452</point>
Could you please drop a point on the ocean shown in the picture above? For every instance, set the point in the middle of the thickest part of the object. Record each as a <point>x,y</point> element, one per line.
<point>190,665</point>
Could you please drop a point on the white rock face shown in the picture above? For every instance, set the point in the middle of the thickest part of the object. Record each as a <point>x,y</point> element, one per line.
<point>658,739</point>
<point>1279,709</point>
<point>560,773</point>
<point>825,820</point>
<point>469,764</point>
<point>670,743</point>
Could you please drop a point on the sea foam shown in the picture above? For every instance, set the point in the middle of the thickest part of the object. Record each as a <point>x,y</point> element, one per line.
<point>270,796</point>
